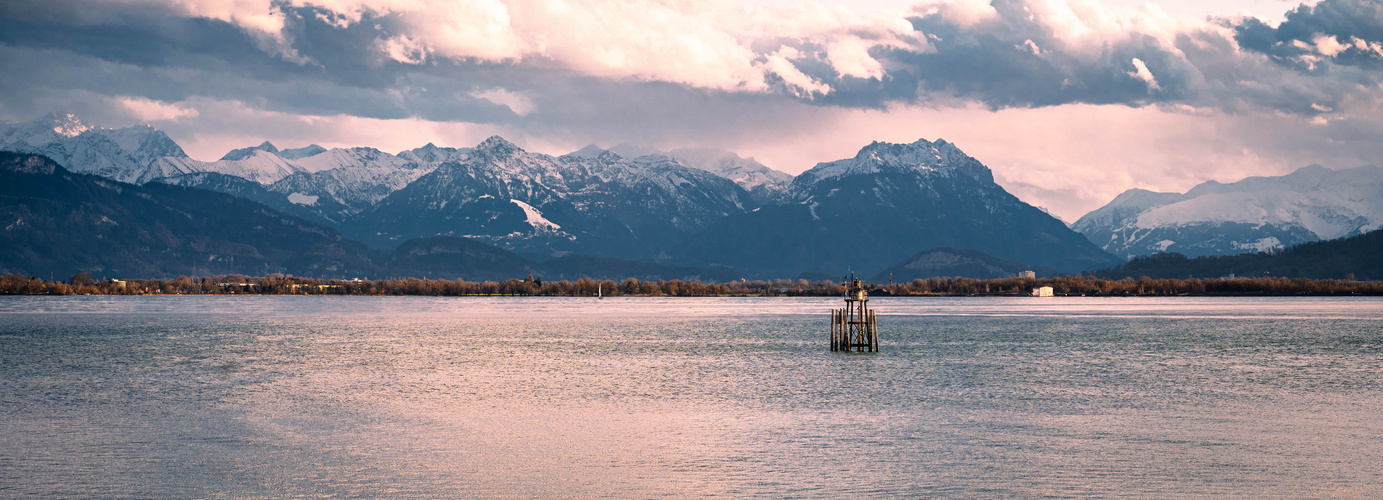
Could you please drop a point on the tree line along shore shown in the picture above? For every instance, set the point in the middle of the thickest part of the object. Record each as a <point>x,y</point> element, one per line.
<point>84,284</point>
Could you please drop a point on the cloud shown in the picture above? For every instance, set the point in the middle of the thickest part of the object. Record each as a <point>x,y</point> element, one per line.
<point>515,101</point>
<point>403,49</point>
<point>1313,38</point>
<point>1141,72</point>
<point>155,111</point>
<point>1003,53</point>
<point>780,63</point>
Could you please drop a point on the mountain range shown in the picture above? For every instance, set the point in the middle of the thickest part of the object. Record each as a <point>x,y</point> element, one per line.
<point>58,222</point>
<point>925,206</point>
<point>1258,213</point>
<point>552,206</point>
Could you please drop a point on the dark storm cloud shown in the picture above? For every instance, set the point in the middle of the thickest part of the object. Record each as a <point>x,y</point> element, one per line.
<point>1016,59</point>
<point>1354,26</point>
<point>153,55</point>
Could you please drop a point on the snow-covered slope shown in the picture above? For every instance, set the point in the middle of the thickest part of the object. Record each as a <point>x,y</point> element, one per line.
<point>1255,214</point>
<point>355,178</point>
<point>255,165</point>
<point>762,182</point>
<point>51,128</point>
<point>125,154</point>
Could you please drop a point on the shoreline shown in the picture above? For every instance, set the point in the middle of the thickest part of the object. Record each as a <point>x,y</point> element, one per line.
<point>1070,286</point>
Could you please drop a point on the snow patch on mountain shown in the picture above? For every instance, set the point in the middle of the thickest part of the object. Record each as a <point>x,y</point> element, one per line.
<point>1262,245</point>
<point>535,218</point>
<point>303,199</point>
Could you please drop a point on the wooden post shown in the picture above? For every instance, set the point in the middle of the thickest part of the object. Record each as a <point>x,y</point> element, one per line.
<point>833,330</point>
<point>854,328</point>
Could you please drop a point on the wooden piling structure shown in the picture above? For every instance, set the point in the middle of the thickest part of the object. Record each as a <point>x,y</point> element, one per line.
<point>853,327</point>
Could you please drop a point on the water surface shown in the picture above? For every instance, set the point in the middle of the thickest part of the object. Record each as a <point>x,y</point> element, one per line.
<point>718,397</point>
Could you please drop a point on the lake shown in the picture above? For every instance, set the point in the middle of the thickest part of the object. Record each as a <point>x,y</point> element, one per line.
<point>411,397</point>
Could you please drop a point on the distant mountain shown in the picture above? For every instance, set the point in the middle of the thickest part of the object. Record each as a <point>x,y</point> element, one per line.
<point>60,222</point>
<point>332,185</point>
<point>955,262</point>
<point>1257,213</point>
<point>125,154</point>
<point>763,183</point>
<point>691,208</point>
<point>871,211</point>
<point>434,155</point>
<point>542,205</point>
<point>252,164</point>
<point>242,153</point>
<point>268,147</point>
<point>1355,257</point>
<point>355,178</point>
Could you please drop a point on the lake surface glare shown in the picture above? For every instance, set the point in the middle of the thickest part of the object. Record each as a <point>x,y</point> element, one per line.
<point>245,397</point>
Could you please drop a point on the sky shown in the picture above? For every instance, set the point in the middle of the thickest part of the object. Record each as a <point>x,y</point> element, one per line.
<point>1069,102</point>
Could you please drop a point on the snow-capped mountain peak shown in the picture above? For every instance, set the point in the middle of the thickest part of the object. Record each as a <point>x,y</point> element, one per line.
<point>590,151</point>
<point>431,154</point>
<point>921,156</point>
<point>237,154</point>
<point>497,146</point>
<point>124,154</point>
<point>66,125</point>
